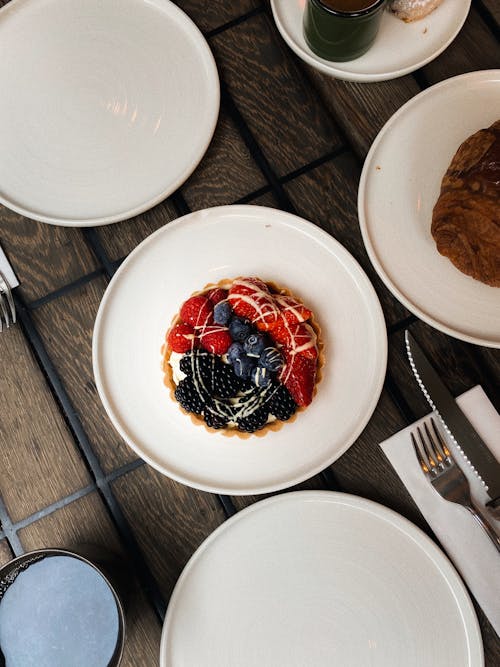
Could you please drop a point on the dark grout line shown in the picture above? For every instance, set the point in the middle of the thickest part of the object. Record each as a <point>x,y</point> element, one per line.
<point>91,236</point>
<point>9,533</point>
<point>180,204</point>
<point>234,22</point>
<point>65,289</point>
<point>402,324</point>
<point>227,505</point>
<point>332,155</point>
<point>398,399</point>
<point>124,470</point>
<point>421,79</point>
<point>487,18</point>
<point>331,480</point>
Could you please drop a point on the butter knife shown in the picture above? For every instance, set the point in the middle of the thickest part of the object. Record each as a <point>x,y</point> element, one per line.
<point>456,424</point>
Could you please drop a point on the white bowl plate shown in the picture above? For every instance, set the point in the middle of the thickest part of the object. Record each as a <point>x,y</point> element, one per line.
<point>399,187</point>
<point>205,247</point>
<point>399,47</point>
<point>319,579</point>
<point>107,106</point>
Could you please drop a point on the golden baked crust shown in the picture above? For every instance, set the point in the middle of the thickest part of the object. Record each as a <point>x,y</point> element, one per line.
<point>466,217</point>
<point>234,432</point>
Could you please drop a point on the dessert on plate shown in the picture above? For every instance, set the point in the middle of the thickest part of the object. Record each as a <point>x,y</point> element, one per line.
<point>466,216</point>
<point>413,10</point>
<point>243,356</point>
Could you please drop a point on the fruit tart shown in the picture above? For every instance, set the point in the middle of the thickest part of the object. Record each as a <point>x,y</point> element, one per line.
<point>243,357</point>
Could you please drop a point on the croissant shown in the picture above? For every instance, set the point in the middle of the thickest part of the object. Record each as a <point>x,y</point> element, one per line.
<point>466,216</point>
<point>412,10</point>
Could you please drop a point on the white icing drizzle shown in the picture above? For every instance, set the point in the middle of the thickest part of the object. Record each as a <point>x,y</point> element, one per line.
<point>266,309</point>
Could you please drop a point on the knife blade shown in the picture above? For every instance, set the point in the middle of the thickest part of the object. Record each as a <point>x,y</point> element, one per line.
<point>456,424</point>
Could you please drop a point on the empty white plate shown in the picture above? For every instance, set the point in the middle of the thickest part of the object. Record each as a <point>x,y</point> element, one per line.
<point>399,186</point>
<point>399,48</point>
<point>107,106</point>
<point>205,247</point>
<point>319,579</point>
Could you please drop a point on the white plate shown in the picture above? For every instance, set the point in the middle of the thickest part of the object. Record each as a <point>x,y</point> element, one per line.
<point>399,48</point>
<point>207,246</point>
<point>319,579</point>
<point>399,186</point>
<point>107,106</point>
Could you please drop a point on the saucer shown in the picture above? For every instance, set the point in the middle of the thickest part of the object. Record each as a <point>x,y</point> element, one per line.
<point>399,48</point>
<point>107,107</point>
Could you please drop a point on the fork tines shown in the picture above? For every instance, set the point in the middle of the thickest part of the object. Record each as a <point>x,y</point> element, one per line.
<point>7,307</point>
<point>431,450</point>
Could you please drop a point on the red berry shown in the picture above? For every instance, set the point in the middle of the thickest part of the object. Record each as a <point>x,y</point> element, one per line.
<point>197,311</point>
<point>297,338</point>
<point>299,376</point>
<point>217,294</point>
<point>181,337</point>
<point>215,339</point>
<point>293,310</point>
<point>250,298</point>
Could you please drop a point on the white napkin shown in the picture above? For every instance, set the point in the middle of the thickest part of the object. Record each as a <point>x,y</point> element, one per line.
<point>7,270</point>
<point>465,542</point>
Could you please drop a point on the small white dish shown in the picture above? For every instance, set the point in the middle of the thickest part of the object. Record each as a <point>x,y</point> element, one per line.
<point>320,578</point>
<point>398,189</point>
<point>107,107</point>
<point>399,48</point>
<point>205,247</point>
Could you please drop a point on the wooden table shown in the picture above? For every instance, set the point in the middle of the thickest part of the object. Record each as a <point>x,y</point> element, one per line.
<point>287,137</point>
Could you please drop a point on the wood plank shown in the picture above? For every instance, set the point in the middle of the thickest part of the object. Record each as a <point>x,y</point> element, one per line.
<point>313,484</point>
<point>44,257</point>
<point>66,326</point>
<point>493,8</point>
<point>5,553</point>
<point>85,521</point>
<point>328,197</point>
<point>226,173</point>
<point>475,48</point>
<point>39,462</point>
<point>361,109</point>
<point>273,95</point>
<point>169,520</point>
<point>211,14</point>
<point>121,238</point>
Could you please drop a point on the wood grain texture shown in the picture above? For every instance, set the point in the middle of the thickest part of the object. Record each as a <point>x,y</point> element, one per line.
<point>5,553</point>
<point>85,521</point>
<point>226,173</point>
<point>273,95</point>
<point>475,48</point>
<point>121,238</point>
<point>314,483</point>
<point>44,257</point>
<point>328,197</point>
<point>210,14</point>
<point>169,520</point>
<point>39,462</point>
<point>361,109</point>
<point>493,7</point>
<point>66,326</point>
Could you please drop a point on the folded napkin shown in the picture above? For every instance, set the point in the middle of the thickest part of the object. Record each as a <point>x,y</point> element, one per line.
<point>7,271</point>
<point>465,542</point>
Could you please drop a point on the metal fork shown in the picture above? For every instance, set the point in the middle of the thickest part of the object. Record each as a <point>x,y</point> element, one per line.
<point>446,477</point>
<point>7,307</point>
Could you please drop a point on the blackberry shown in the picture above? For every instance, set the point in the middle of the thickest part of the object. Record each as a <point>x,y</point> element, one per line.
<point>187,394</point>
<point>253,422</point>
<point>224,382</point>
<point>197,360</point>
<point>214,419</point>
<point>281,404</point>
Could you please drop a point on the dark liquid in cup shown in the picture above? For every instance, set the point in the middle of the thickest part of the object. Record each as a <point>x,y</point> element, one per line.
<point>58,612</point>
<point>348,5</point>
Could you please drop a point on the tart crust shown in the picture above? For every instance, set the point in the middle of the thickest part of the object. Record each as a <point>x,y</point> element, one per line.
<point>232,432</point>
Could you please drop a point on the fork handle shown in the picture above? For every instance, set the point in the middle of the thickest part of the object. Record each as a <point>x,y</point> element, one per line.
<point>486,526</point>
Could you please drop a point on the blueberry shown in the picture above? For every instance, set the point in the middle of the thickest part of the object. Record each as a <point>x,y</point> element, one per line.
<point>235,352</point>
<point>239,329</point>
<point>254,344</point>
<point>243,366</point>
<point>261,376</point>
<point>222,313</point>
<point>271,359</point>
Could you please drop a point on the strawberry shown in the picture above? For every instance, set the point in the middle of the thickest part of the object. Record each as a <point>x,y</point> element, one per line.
<point>197,311</point>
<point>296,338</point>
<point>250,299</point>
<point>293,310</point>
<point>215,339</point>
<point>217,294</point>
<point>181,337</point>
<point>299,375</point>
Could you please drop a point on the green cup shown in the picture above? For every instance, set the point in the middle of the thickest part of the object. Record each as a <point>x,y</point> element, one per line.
<point>341,35</point>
